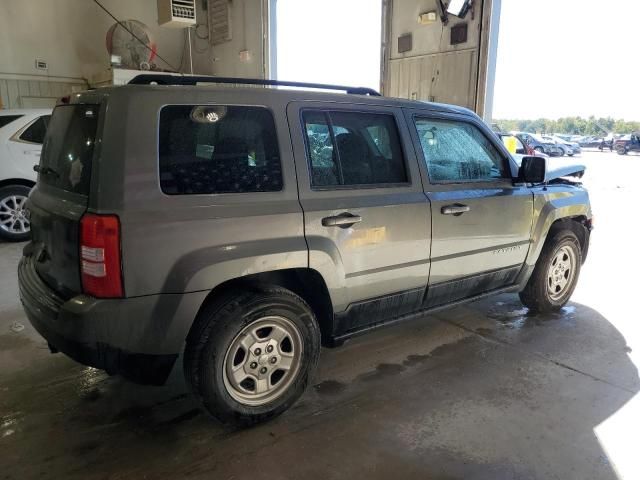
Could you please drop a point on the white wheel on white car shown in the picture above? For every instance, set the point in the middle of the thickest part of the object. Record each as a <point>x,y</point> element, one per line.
<point>14,217</point>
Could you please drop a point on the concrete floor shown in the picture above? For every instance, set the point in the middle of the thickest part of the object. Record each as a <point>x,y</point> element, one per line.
<point>484,391</point>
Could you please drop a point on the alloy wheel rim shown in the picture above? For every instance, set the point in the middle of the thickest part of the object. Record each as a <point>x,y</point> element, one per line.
<point>263,360</point>
<point>14,217</point>
<point>561,272</point>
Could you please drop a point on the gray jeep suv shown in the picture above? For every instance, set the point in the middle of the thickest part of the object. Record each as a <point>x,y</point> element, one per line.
<point>243,227</point>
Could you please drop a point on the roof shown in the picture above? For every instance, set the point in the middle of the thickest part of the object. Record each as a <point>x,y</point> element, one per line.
<point>25,111</point>
<point>288,95</point>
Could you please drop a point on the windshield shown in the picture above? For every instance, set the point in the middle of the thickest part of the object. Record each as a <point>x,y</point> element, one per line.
<point>68,148</point>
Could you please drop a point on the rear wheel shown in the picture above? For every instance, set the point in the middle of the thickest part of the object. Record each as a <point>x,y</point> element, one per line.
<point>539,149</point>
<point>14,218</point>
<point>250,355</point>
<point>555,275</point>
<point>621,150</point>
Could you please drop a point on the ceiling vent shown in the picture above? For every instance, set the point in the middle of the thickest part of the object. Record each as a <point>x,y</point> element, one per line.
<point>176,13</point>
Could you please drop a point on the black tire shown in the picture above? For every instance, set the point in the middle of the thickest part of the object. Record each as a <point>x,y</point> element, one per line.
<point>621,151</point>
<point>536,294</point>
<point>218,324</point>
<point>5,193</point>
<point>539,149</point>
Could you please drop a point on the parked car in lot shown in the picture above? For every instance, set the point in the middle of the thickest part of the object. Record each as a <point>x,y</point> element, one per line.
<point>627,143</point>
<point>590,142</point>
<point>21,134</point>
<point>241,228</point>
<point>539,144</point>
<point>567,148</point>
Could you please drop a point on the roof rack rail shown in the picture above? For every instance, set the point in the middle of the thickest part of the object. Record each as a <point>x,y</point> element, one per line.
<point>148,79</point>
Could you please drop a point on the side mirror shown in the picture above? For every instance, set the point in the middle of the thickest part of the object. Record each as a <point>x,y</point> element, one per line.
<point>532,170</point>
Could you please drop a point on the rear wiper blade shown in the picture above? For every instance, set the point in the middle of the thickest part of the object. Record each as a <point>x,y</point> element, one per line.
<point>46,171</point>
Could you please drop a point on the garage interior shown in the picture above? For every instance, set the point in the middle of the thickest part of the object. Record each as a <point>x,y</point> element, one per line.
<point>486,390</point>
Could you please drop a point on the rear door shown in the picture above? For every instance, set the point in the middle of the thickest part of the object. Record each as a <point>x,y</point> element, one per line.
<point>481,221</point>
<point>26,144</point>
<point>61,195</point>
<point>367,219</point>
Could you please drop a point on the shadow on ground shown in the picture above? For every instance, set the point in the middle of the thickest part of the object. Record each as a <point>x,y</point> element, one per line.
<point>485,391</point>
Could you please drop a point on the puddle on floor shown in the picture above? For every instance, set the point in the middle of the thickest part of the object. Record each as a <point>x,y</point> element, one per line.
<point>515,316</point>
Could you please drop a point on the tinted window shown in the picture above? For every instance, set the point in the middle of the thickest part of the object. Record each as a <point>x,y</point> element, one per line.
<point>67,151</point>
<point>458,152</point>
<point>218,149</point>
<point>348,148</point>
<point>7,119</point>
<point>36,131</point>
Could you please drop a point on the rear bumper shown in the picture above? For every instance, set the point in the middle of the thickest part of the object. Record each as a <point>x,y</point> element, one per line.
<point>139,338</point>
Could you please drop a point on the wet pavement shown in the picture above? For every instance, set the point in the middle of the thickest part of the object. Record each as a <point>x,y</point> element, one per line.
<point>483,391</point>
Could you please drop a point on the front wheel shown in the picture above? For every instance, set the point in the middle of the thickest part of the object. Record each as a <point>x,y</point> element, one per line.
<point>555,275</point>
<point>251,355</point>
<point>14,218</point>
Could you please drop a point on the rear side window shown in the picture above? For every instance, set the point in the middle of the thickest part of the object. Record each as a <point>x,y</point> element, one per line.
<point>207,149</point>
<point>353,149</point>
<point>36,131</point>
<point>458,152</point>
<point>68,146</point>
<point>7,119</point>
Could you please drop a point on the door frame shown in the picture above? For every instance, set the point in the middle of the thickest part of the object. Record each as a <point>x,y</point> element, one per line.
<point>443,293</point>
<point>336,279</point>
<point>412,113</point>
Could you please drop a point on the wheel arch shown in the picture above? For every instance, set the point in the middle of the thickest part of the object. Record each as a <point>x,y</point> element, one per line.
<point>555,209</point>
<point>10,182</point>
<point>579,225</point>
<point>304,282</point>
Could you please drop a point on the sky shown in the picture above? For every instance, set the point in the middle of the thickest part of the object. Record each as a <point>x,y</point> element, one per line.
<point>329,41</point>
<point>555,57</point>
<point>568,57</point>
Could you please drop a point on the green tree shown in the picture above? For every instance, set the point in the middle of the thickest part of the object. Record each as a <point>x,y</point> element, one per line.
<point>571,125</point>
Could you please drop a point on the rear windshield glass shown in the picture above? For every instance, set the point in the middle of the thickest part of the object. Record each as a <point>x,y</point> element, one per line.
<point>7,119</point>
<point>207,149</point>
<point>68,148</point>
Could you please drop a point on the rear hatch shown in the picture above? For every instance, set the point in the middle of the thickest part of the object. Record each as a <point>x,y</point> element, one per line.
<point>61,195</point>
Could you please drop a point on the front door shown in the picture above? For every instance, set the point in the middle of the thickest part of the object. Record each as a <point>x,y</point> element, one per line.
<point>481,221</point>
<point>367,219</point>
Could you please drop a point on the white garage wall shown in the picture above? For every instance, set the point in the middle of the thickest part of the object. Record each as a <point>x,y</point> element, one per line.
<point>70,35</point>
<point>435,70</point>
<point>36,92</point>
<point>247,28</point>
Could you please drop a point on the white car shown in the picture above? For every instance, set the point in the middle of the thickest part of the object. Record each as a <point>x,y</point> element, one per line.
<point>21,135</point>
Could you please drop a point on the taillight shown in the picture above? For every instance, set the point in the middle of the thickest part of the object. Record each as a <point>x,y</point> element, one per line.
<point>100,256</point>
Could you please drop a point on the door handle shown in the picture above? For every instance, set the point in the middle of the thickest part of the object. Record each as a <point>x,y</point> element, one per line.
<point>456,209</point>
<point>343,220</point>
